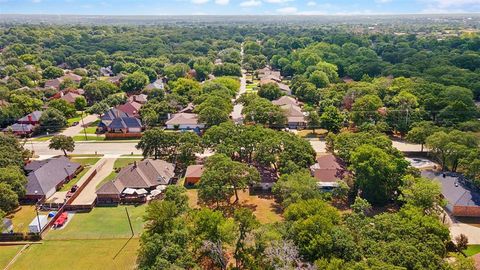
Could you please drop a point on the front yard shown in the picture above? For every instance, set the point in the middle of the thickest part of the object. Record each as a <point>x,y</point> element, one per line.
<point>7,253</point>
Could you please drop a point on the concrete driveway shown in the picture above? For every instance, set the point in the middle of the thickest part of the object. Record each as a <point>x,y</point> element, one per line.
<point>104,168</point>
<point>74,130</point>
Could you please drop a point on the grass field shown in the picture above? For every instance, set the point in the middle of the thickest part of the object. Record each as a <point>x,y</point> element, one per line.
<point>81,138</point>
<point>7,253</point>
<point>90,130</point>
<point>110,254</point>
<point>77,118</point>
<point>308,133</point>
<point>472,250</point>
<point>42,138</point>
<point>101,223</point>
<point>86,163</point>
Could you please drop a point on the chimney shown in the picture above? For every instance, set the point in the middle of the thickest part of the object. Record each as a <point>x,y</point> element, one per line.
<point>169,116</point>
<point>30,118</point>
<point>61,94</point>
<point>135,164</point>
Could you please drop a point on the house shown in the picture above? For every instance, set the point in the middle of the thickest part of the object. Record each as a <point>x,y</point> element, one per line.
<point>108,117</point>
<point>184,121</point>
<point>193,174</point>
<point>141,98</point>
<point>116,79</point>
<point>54,83</point>
<point>72,76</point>
<point>106,71</point>
<point>328,168</point>
<point>135,181</point>
<point>31,118</point>
<point>45,177</point>
<point>268,71</point>
<point>295,117</point>
<point>20,129</point>
<point>70,97</point>
<point>124,127</point>
<point>462,199</point>
<point>287,100</point>
<point>158,84</point>
<point>268,177</point>
<point>131,108</point>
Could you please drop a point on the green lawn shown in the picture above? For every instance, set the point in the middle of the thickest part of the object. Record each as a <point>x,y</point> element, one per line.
<point>119,163</point>
<point>75,119</point>
<point>42,138</point>
<point>472,250</point>
<point>90,130</point>
<point>7,253</point>
<point>104,254</point>
<point>81,138</point>
<point>86,163</point>
<point>101,223</point>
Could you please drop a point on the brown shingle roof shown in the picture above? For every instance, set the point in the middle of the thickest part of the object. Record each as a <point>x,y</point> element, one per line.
<point>194,171</point>
<point>148,173</point>
<point>328,169</point>
<point>183,119</point>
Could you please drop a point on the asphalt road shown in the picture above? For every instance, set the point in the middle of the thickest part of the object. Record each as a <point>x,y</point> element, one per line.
<point>105,148</point>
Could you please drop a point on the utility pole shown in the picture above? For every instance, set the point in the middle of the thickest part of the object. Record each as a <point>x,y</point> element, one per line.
<point>129,221</point>
<point>84,128</point>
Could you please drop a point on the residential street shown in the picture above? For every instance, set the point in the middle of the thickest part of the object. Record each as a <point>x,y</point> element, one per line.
<point>237,108</point>
<point>106,148</point>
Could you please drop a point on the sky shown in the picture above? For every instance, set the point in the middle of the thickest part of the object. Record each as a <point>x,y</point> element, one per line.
<point>237,7</point>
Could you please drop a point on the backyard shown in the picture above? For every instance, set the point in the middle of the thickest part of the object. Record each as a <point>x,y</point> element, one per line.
<point>101,223</point>
<point>79,254</point>
<point>22,217</point>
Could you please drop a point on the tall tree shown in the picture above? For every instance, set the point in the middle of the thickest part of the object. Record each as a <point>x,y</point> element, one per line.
<point>62,142</point>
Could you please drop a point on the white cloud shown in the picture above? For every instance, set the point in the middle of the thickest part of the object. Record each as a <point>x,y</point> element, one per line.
<point>222,2</point>
<point>250,3</point>
<point>287,10</point>
<point>311,3</point>
<point>440,4</point>
<point>199,2</point>
<point>277,1</point>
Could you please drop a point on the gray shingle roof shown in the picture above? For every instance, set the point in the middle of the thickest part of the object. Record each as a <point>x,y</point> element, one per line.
<point>45,175</point>
<point>112,114</point>
<point>125,122</point>
<point>35,116</point>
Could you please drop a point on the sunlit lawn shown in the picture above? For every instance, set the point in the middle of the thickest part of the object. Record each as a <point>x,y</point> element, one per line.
<point>308,133</point>
<point>7,253</point>
<point>264,207</point>
<point>86,163</point>
<point>101,223</point>
<point>77,118</point>
<point>81,138</point>
<point>42,138</point>
<point>472,250</point>
<point>90,130</point>
<point>112,254</point>
<point>22,218</point>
